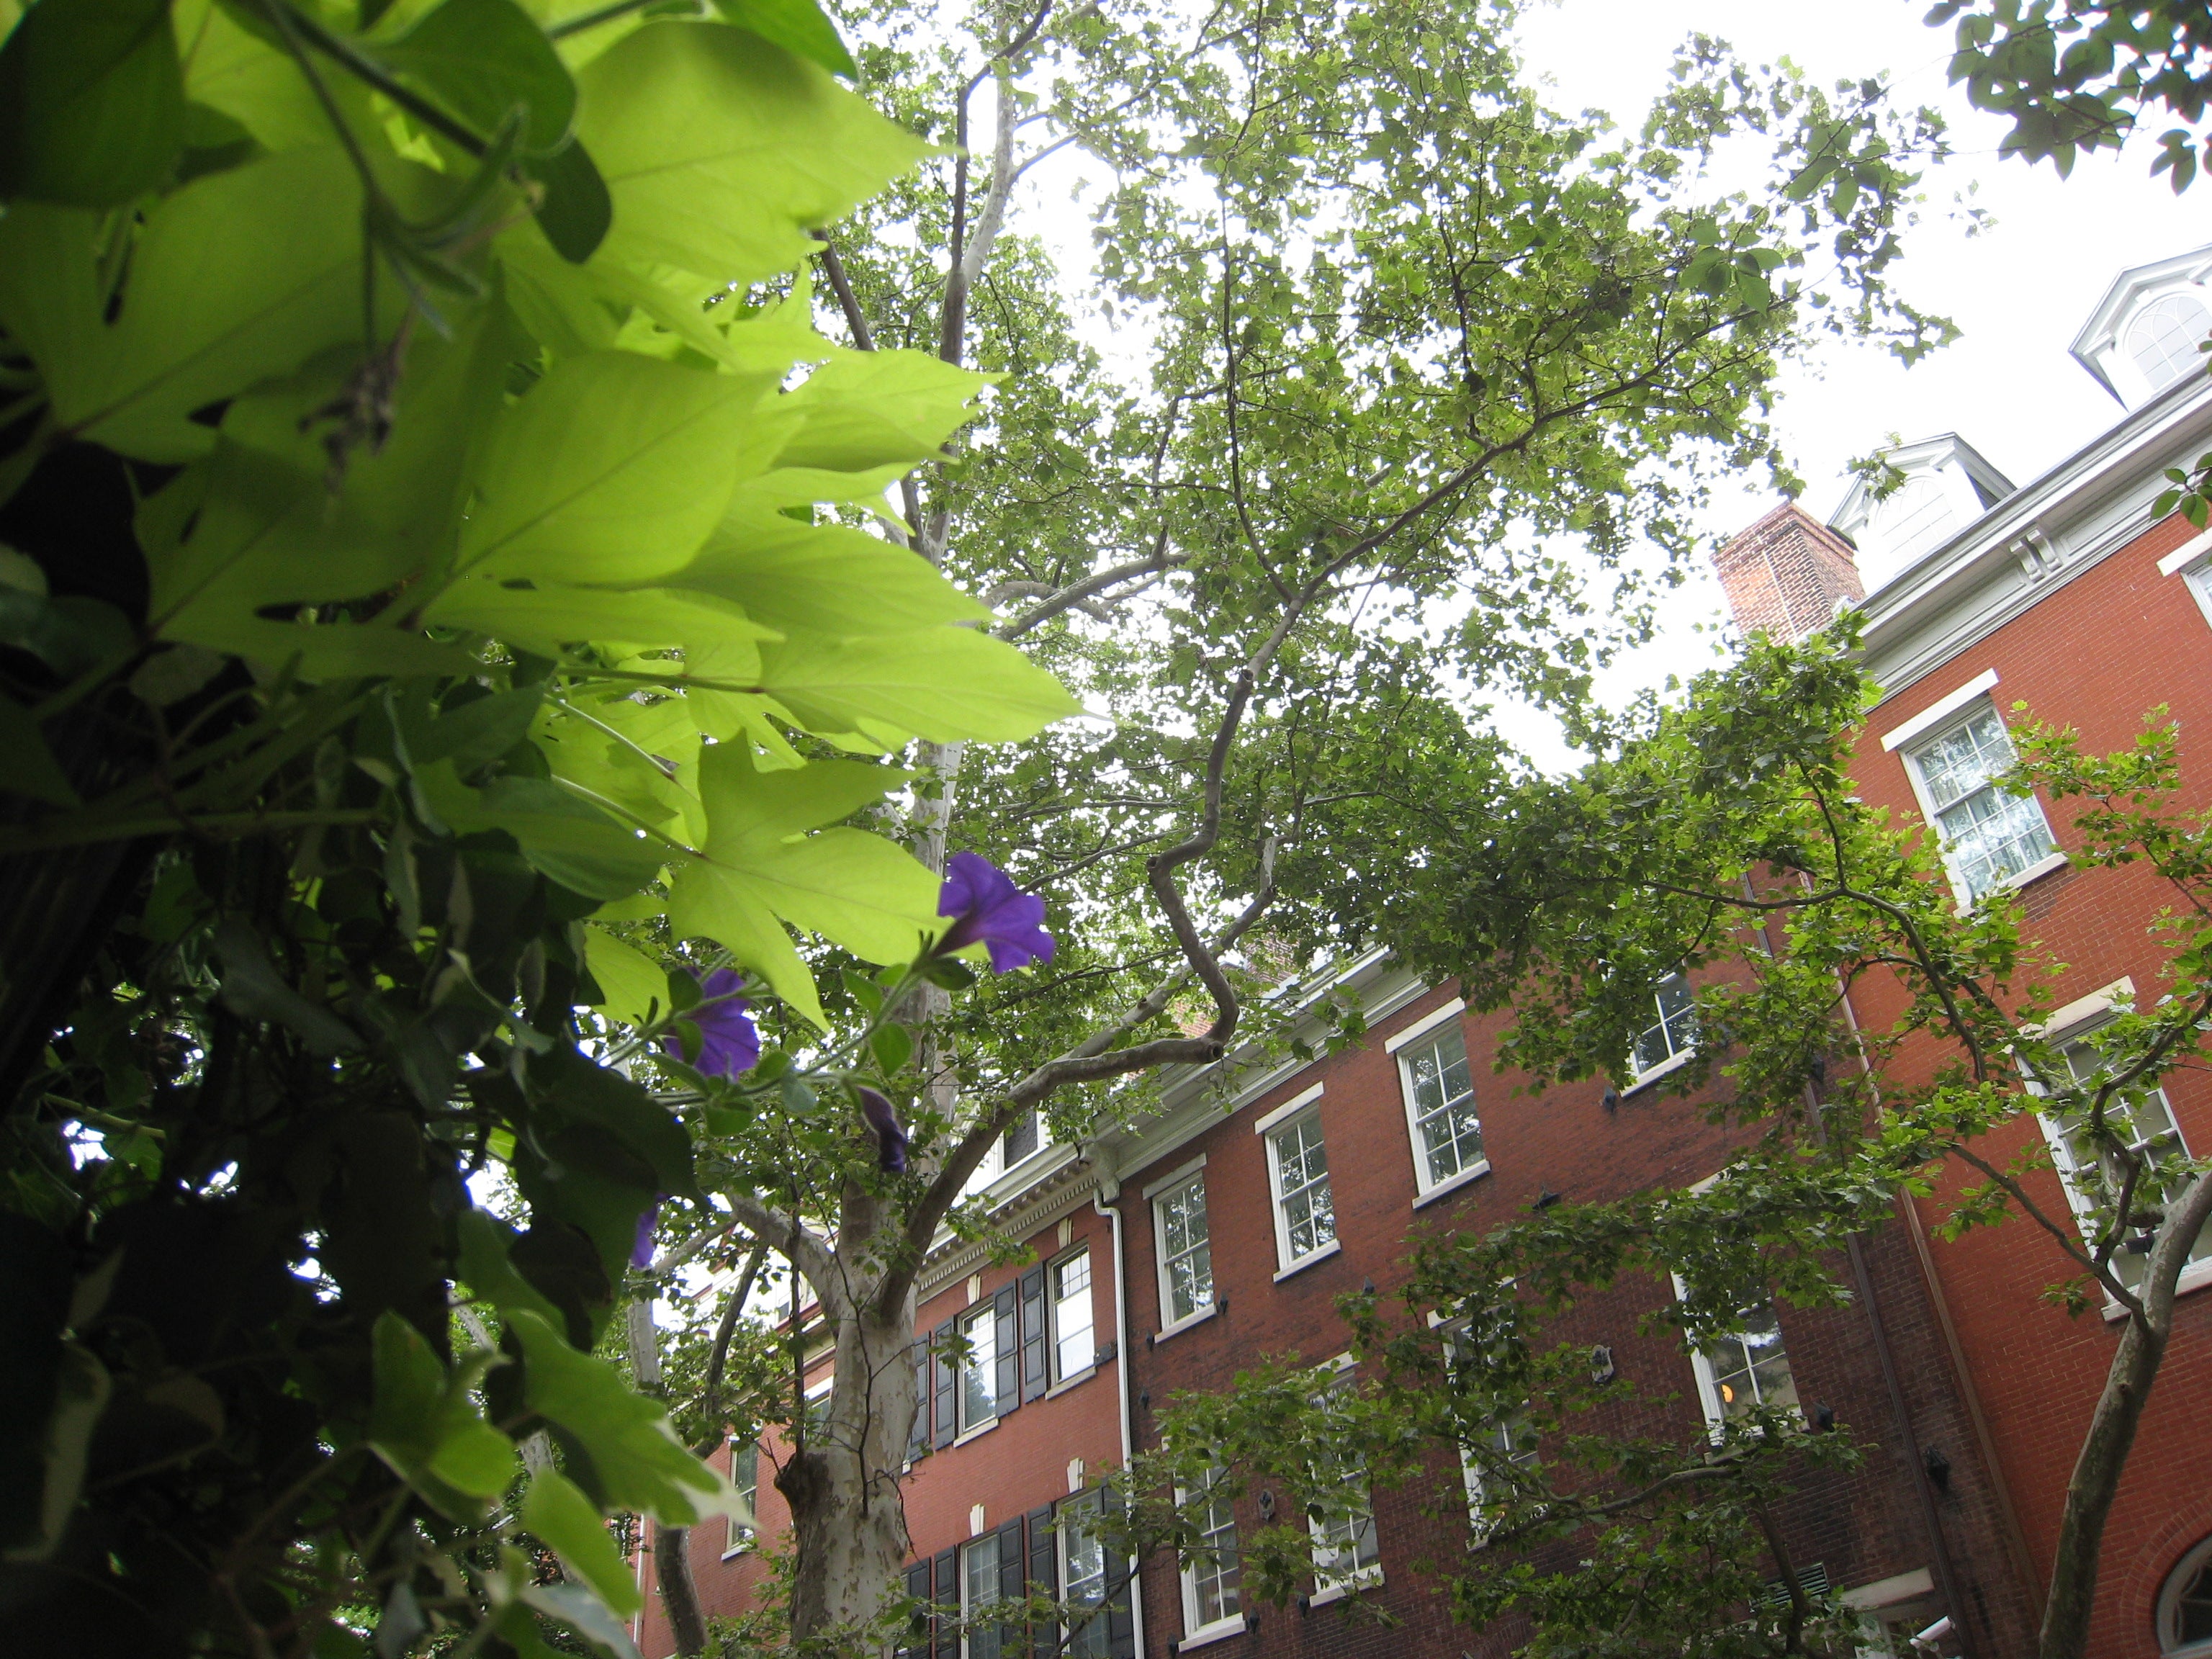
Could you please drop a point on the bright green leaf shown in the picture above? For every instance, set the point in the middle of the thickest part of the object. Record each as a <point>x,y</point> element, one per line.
<point>797,26</point>
<point>940,683</point>
<point>92,102</point>
<point>561,1514</point>
<point>482,59</point>
<point>632,984</point>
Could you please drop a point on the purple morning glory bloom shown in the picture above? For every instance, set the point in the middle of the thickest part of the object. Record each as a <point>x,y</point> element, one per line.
<point>890,1139</point>
<point>729,1042</point>
<point>989,910</point>
<point>640,1253</point>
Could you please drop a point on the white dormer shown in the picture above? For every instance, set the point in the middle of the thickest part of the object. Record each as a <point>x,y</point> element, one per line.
<point>2143,335</point>
<point>1948,485</point>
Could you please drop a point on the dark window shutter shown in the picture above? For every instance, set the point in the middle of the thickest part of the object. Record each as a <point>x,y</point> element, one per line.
<point>1022,1138</point>
<point>1120,1620</point>
<point>946,1628</point>
<point>916,1645</point>
<point>918,1441</point>
<point>944,1374</point>
<point>1010,1585</point>
<point>1007,1383</point>
<point>1044,1579</point>
<point>1037,1374</point>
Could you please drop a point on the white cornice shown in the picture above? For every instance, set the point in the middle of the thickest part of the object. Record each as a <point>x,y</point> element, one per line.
<point>2086,508</point>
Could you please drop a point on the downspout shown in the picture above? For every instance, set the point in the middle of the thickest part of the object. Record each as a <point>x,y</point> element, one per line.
<point>1104,1199</point>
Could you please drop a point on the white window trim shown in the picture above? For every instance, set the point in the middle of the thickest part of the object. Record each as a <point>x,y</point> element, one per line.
<point>967,1608</point>
<point>2192,563</point>
<point>1451,1184</point>
<point>1183,1325</point>
<point>1932,727</point>
<point>751,1530</point>
<point>1195,1634</point>
<point>1427,1024</point>
<point>1424,1189</point>
<point>1645,1079</point>
<point>1175,1177</point>
<point>1284,1117</point>
<point>1289,1109</point>
<point>1052,1319</point>
<point>2169,1592</point>
<point>1332,1372</point>
<point>1709,1389</point>
<point>1154,1194</point>
<point>1937,712</point>
<point>976,1313</point>
<point>1063,1540</point>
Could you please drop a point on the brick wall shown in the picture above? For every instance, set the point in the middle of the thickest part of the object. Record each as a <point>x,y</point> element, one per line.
<point>2096,654</point>
<point>1785,575</point>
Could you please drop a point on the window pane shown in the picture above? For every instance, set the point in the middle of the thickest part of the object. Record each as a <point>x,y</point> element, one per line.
<point>1188,1257</point>
<point>2193,1614</point>
<point>1752,1368</point>
<point>2141,1121</point>
<point>1212,1569</point>
<point>1675,1031</point>
<point>979,1401</point>
<point>1071,1315</point>
<point>1083,1581</point>
<point>2164,340</point>
<point>1992,837</point>
<point>1965,757</point>
<point>1302,1169</point>
<point>1443,1106</point>
<point>982,1575</point>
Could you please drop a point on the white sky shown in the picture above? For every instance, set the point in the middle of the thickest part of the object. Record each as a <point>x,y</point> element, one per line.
<point>2019,291</point>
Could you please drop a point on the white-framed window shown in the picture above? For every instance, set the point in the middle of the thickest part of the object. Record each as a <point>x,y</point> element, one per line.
<point>1439,1092</point>
<point>1298,1168</point>
<point>979,1593</point>
<point>1348,1553</point>
<point>1082,1579</point>
<point>2184,1607</point>
<point>1989,838</point>
<point>2192,563</point>
<point>1184,1250</point>
<point>2164,337</point>
<point>2144,1121</point>
<point>744,1475</point>
<point>1212,1579</point>
<point>1068,1287</point>
<point>1672,1034</point>
<point>1504,1447</point>
<point>1745,1370</point>
<point>979,1367</point>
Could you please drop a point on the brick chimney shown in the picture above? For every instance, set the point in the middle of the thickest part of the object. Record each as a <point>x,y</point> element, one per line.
<point>1785,574</point>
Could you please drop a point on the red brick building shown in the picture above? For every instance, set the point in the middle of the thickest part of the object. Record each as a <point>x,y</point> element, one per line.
<point>1171,1256</point>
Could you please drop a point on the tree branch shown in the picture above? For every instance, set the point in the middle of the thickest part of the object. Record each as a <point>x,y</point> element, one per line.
<point>809,1252</point>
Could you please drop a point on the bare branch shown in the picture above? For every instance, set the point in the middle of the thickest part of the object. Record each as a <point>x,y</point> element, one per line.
<point>1158,562</point>
<point>809,1252</point>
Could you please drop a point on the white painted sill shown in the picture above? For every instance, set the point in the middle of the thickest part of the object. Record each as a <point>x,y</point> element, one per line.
<point>1443,1188</point>
<point>1352,1586</point>
<point>2194,1276</point>
<point>1067,1382</point>
<point>1333,1247</point>
<point>1206,1635</point>
<point>976,1433</point>
<point>1186,1323</point>
<point>2035,872</point>
<point>1645,1079</point>
<point>745,1548</point>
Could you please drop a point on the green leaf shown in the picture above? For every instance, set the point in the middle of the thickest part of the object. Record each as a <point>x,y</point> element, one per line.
<point>797,26</point>
<point>636,1460</point>
<point>585,1091</point>
<point>545,619</point>
<point>237,276</point>
<point>253,989</point>
<point>632,983</point>
<point>575,1606</point>
<point>33,771</point>
<point>568,839</point>
<point>613,469</point>
<point>872,409</point>
<point>576,209</point>
<point>483,59</point>
<point>721,150</point>
<point>485,1241</point>
<point>561,1514</point>
<point>92,102</point>
<point>826,578</point>
<point>942,684</point>
<point>425,1424</point>
<point>892,1045</point>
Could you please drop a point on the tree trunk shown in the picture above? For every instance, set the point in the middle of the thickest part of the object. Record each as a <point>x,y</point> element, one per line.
<point>842,1481</point>
<point>679,1595</point>
<point>2104,1456</point>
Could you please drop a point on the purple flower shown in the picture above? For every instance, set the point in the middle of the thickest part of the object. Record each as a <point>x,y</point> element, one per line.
<point>989,910</point>
<point>640,1253</point>
<point>729,1042</point>
<point>890,1139</point>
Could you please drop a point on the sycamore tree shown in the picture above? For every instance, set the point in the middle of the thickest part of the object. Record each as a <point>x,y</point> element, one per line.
<point>1723,839</point>
<point>1394,358</point>
<point>420,498</point>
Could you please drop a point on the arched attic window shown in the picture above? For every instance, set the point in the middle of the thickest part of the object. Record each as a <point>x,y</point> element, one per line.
<point>1914,520</point>
<point>2165,336</point>
<point>2184,1607</point>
